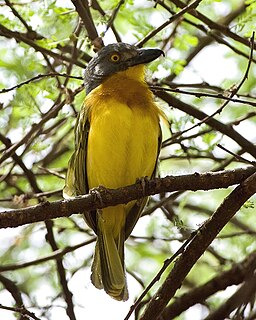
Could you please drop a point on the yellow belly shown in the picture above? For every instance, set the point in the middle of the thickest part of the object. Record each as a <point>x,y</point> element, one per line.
<point>122,143</point>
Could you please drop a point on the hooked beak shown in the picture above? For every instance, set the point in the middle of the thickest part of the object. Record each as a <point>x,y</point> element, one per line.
<point>145,56</point>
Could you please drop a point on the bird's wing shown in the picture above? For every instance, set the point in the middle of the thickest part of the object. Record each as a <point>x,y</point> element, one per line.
<point>135,211</point>
<point>76,178</point>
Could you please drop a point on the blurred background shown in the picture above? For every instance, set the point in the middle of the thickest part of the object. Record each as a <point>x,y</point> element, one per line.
<point>45,267</point>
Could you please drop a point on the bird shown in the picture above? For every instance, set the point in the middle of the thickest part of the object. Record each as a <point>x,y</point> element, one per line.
<point>117,141</point>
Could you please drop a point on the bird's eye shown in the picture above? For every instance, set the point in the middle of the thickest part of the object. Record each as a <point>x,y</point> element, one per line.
<point>115,57</point>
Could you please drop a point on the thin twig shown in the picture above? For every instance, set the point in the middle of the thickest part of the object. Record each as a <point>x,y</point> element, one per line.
<point>202,94</point>
<point>236,156</point>
<point>166,264</point>
<point>22,37</point>
<point>215,26</point>
<point>21,310</point>
<point>113,15</point>
<point>245,77</point>
<point>68,296</point>
<point>177,15</point>
<point>16,13</point>
<point>234,92</point>
<point>54,255</point>
<point>39,77</point>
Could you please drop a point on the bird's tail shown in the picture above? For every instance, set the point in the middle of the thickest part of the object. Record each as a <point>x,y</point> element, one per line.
<point>108,270</point>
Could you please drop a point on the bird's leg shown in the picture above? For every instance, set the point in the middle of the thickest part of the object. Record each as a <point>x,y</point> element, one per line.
<point>96,192</point>
<point>143,182</point>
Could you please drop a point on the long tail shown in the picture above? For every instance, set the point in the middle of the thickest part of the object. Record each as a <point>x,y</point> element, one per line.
<point>108,270</point>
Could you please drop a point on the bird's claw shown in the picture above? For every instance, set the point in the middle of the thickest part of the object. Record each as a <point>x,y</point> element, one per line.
<point>143,182</point>
<point>96,192</point>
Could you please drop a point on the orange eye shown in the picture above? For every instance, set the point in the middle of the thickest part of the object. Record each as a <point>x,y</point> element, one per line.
<point>115,57</point>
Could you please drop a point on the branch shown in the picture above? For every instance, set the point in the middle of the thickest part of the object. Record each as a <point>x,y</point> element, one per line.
<point>96,6</point>
<point>242,296</point>
<point>200,94</point>
<point>83,11</point>
<point>16,294</point>
<point>28,172</point>
<point>16,14</point>
<point>205,235</point>
<point>57,254</point>
<point>22,37</point>
<point>232,93</point>
<point>27,314</point>
<point>13,289</point>
<point>237,274</point>
<point>113,15</point>
<point>110,197</point>
<point>35,128</point>
<point>174,17</point>
<point>215,26</point>
<point>237,87</point>
<point>204,41</point>
<point>68,296</point>
<point>218,125</point>
<point>39,77</point>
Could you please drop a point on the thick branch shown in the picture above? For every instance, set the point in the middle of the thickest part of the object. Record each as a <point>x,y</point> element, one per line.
<point>107,197</point>
<point>203,238</point>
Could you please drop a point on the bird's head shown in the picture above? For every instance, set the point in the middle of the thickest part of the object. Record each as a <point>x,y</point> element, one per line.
<point>115,58</point>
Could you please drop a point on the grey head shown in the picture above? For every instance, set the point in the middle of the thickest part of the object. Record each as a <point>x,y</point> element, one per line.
<point>114,58</point>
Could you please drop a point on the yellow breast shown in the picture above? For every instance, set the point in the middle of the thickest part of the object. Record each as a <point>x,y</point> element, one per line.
<point>124,131</point>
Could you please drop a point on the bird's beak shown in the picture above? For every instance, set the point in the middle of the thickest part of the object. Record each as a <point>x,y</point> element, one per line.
<point>145,56</point>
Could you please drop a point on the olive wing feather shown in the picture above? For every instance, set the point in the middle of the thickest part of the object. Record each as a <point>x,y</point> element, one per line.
<point>76,178</point>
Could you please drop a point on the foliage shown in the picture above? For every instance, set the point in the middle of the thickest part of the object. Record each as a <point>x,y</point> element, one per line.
<point>207,51</point>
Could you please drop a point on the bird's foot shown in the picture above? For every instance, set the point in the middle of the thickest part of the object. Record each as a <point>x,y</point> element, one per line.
<point>96,192</point>
<point>143,182</point>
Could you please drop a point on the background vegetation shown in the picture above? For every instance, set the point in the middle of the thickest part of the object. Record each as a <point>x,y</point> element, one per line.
<point>206,86</point>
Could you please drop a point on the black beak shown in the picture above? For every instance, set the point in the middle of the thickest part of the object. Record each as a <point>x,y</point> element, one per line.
<point>145,56</point>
